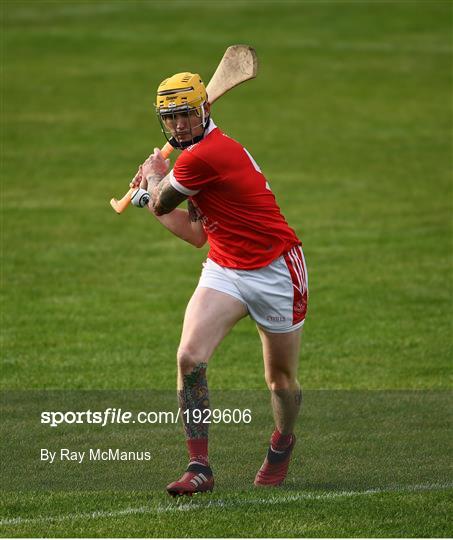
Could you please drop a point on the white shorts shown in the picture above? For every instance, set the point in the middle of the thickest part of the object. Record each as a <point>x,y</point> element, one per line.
<point>276,296</point>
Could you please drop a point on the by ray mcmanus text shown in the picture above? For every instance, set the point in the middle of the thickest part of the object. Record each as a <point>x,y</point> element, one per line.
<point>93,454</point>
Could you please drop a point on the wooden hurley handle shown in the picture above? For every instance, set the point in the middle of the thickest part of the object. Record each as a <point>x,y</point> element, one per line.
<point>167,150</point>
<point>120,205</point>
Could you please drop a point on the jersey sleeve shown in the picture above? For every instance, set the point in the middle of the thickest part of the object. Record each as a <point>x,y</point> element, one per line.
<point>191,174</point>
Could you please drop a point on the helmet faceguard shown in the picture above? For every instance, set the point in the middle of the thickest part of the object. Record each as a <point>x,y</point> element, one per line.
<point>181,99</point>
<point>193,118</point>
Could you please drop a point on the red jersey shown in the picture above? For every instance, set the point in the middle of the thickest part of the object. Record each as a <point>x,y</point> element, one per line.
<point>238,210</point>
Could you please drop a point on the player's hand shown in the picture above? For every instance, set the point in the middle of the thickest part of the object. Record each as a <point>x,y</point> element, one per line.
<point>139,181</point>
<point>156,165</point>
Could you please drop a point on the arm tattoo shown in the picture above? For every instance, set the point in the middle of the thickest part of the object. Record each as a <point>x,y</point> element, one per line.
<point>194,213</point>
<point>153,181</point>
<point>164,196</point>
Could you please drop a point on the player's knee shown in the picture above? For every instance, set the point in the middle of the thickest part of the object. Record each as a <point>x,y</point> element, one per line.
<point>281,380</point>
<point>188,359</point>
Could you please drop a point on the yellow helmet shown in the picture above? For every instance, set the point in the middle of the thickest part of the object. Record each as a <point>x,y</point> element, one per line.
<point>183,89</point>
<point>182,94</point>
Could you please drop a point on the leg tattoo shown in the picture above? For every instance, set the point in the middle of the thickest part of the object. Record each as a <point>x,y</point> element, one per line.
<point>194,396</point>
<point>298,397</point>
<point>286,405</point>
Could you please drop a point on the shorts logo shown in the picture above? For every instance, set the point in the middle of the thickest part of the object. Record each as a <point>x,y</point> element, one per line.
<point>300,307</point>
<point>275,318</point>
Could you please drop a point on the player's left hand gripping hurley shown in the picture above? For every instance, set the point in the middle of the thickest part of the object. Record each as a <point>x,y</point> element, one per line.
<point>239,64</point>
<point>122,204</point>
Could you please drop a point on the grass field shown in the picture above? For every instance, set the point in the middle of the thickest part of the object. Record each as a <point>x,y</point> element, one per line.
<point>350,119</point>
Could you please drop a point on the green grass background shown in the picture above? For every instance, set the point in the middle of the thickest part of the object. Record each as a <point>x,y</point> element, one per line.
<point>350,119</point>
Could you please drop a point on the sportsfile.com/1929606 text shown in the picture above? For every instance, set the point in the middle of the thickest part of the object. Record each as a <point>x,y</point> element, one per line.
<point>112,415</point>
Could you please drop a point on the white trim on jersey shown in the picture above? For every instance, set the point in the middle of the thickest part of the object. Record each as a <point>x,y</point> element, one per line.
<point>210,128</point>
<point>179,187</point>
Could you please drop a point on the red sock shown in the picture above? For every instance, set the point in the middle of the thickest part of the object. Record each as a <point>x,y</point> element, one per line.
<point>198,450</point>
<point>280,441</point>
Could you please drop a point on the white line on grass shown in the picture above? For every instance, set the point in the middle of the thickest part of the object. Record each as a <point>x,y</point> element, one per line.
<point>176,506</point>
